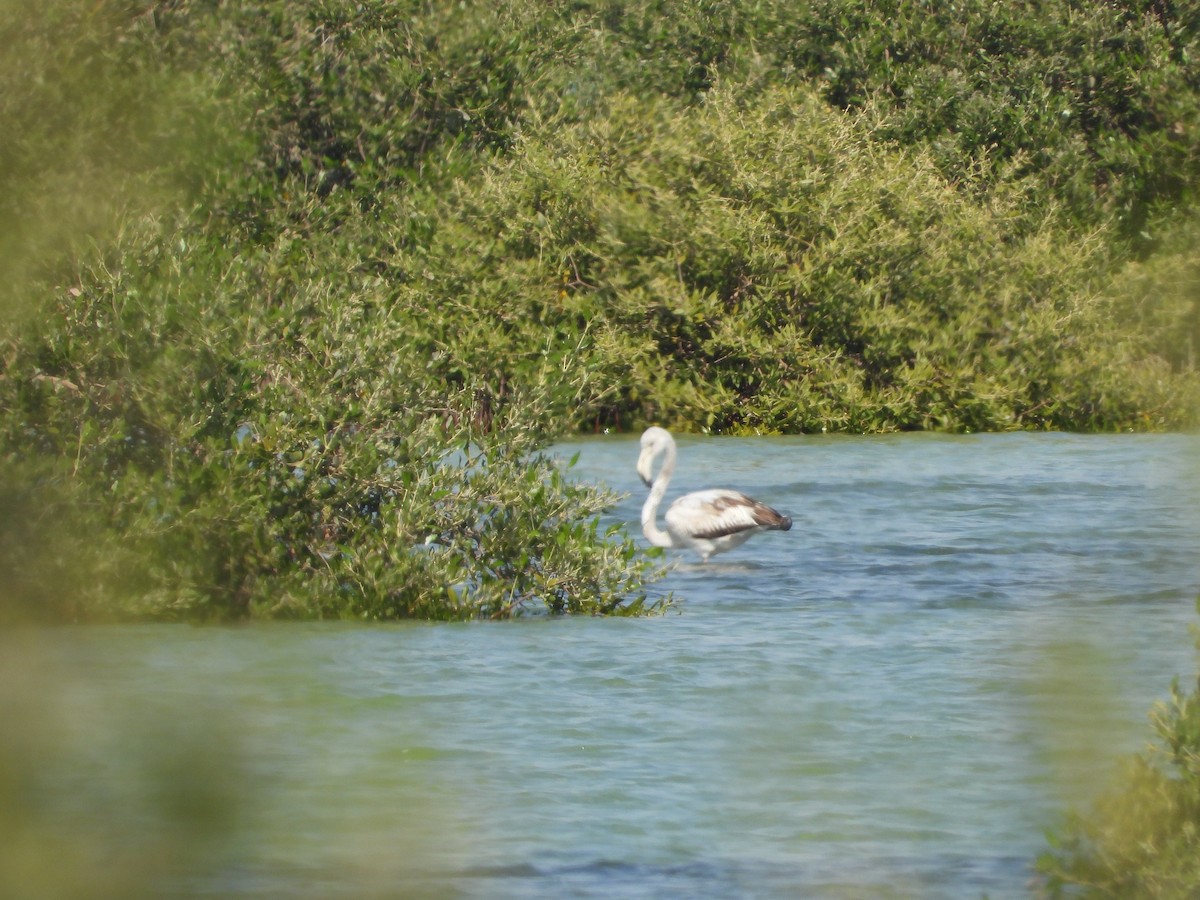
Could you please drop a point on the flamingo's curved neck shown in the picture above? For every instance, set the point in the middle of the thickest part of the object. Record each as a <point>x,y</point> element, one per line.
<point>650,527</point>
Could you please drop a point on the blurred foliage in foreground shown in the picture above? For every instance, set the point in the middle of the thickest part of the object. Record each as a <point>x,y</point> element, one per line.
<point>118,780</point>
<point>99,799</point>
<point>1142,838</point>
<point>295,292</point>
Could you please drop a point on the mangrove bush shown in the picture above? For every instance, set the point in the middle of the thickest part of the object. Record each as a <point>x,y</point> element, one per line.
<point>295,294</point>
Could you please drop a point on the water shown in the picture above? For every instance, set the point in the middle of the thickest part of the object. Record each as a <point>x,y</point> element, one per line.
<point>897,698</point>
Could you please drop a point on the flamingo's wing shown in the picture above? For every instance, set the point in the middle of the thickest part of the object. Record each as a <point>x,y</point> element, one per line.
<point>718,513</point>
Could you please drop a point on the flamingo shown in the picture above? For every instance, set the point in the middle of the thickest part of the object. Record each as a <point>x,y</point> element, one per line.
<point>708,522</point>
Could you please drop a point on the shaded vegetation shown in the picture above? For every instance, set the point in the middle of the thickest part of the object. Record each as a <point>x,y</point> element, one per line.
<point>297,292</point>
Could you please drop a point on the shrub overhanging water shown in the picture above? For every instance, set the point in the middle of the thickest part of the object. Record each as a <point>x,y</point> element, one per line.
<point>296,293</point>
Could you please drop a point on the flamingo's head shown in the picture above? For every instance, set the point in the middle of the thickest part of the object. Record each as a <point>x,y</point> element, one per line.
<point>654,441</point>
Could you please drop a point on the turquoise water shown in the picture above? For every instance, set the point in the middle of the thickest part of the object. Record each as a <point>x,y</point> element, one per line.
<point>953,644</point>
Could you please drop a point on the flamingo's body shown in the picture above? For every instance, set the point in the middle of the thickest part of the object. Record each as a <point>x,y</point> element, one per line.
<point>708,522</point>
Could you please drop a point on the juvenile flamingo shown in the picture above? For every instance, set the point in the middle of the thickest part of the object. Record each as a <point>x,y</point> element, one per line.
<point>708,522</point>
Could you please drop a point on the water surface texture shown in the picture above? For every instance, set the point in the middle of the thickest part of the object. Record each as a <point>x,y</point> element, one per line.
<point>953,644</point>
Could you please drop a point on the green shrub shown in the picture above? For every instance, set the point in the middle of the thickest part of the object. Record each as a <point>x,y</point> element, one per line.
<point>99,124</point>
<point>734,297</point>
<point>304,287</point>
<point>1142,839</point>
<point>229,404</point>
<point>797,274</point>
<point>261,431</point>
<point>1096,102</point>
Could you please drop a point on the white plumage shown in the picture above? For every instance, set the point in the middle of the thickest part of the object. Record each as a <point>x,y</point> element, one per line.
<point>708,522</point>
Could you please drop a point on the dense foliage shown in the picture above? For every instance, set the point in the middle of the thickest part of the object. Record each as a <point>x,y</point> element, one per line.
<point>296,291</point>
<point>1142,839</point>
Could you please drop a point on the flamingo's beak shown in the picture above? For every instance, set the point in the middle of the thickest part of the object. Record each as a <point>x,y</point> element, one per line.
<point>645,465</point>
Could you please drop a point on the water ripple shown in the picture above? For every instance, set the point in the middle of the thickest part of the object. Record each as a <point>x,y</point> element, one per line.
<point>894,699</point>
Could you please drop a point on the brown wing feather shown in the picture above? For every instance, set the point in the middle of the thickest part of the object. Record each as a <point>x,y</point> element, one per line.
<point>719,513</point>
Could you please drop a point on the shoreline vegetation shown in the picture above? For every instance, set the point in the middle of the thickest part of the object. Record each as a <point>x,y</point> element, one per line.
<point>295,293</point>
